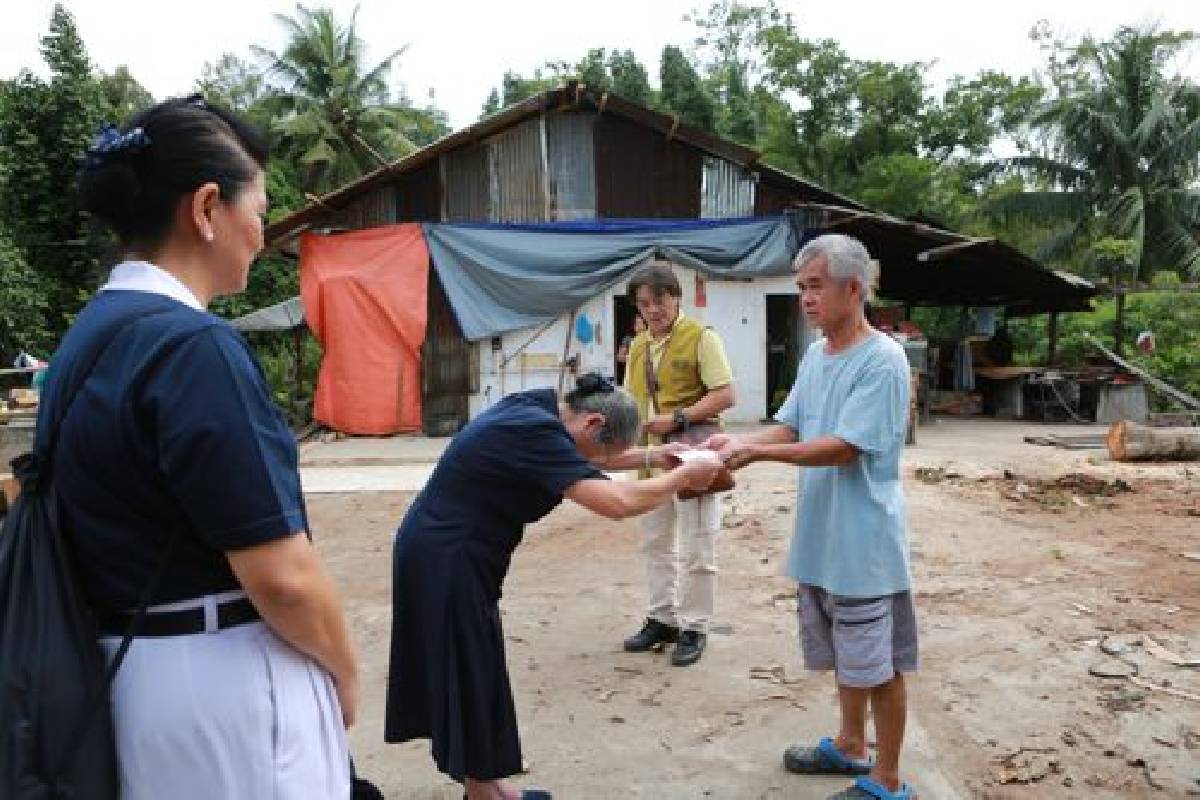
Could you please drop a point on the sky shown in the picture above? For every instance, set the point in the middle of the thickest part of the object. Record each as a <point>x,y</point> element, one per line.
<point>459,50</point>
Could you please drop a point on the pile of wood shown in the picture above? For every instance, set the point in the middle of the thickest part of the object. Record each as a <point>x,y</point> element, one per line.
<point>1084,441</point>
<point>1128,441</point>
<point>956,403</point>
<point>9,489</point>
<point>21,404</point>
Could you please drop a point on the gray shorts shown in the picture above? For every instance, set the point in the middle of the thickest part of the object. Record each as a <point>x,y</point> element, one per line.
<point>865,640</point>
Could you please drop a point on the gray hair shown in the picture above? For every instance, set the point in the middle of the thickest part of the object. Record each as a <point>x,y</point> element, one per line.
<point>622,420</point>
<point>847,259</point>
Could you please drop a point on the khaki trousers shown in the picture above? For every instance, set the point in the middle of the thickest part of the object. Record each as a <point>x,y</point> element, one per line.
<point>682,591</point>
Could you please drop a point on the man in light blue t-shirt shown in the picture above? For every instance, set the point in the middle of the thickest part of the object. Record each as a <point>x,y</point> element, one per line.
<point>845,422</point>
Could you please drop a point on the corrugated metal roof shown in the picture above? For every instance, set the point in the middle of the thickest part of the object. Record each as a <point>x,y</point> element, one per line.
<point>419,194</point>
<point>925,264</point>
<point>279,317</point>
<point>727,190</point>
<point>573,97</point>
<point>640,173</point>
<point>571,158</point>
<point>466,176</point>
<point>517,163</point>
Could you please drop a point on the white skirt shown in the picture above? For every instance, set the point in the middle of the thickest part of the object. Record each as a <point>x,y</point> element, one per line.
<point>236,714</point>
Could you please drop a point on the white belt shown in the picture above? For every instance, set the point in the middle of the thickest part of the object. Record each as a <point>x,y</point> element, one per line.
<point>208,602</point>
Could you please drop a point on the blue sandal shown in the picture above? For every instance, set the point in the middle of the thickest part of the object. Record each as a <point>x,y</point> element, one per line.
<point>866,789</point>
<point>824,759</point>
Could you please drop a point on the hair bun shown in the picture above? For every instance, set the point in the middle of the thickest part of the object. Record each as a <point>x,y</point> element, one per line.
<point>110,192</point>
<point>593,383</point>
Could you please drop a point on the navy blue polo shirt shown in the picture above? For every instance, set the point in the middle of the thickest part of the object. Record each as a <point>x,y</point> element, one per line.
<point>174,433</point>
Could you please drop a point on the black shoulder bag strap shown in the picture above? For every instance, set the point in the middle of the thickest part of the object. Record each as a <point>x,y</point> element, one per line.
<point>46,473</point>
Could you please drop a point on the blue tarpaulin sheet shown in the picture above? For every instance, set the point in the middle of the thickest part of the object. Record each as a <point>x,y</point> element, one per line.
<point>504,277</point>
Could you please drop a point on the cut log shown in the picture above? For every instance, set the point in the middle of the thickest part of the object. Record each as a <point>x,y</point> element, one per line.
<point>23,398</point>
<point>1128,441</point>
<point>9,489</point>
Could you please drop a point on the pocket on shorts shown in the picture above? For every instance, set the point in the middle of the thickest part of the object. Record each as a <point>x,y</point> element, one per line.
<point>862,640</point>
<point>816,631</point>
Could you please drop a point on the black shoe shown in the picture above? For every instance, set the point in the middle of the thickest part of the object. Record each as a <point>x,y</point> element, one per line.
<point>653,634</point>
<point>690,647</point>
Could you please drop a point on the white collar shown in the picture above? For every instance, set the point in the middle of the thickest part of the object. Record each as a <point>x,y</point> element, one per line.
<point>142,276</point>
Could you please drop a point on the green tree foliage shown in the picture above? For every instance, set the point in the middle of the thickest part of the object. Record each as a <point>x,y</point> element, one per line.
<point>514,88</point>
<point>236,84</point>
<point>123,95</point>
<point>423,126</point>
<point>683,92</point>
<point>1172,316</point>
<point>23,306</point>
<point>1122,151</point>
<point>335,114</point>
<point>618,71</point>
<point>629,77</point>
<point>45,126</point>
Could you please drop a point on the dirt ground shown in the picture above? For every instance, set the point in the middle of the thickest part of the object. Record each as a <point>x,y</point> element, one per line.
<point>1024,580</point>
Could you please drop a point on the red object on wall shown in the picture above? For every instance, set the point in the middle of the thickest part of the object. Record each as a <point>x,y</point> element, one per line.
<point>701,292</point>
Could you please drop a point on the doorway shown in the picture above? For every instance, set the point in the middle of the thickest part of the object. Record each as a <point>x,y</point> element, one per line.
<point>786,339</point>
<point>449,366</point>
<point>623,316</point>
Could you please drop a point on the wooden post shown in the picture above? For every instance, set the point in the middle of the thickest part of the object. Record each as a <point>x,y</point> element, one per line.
<point>1052,334</point>
<point>9,489</point>
<point>1128,441</point>
<point>1119,333</point>
<point>298,371</point>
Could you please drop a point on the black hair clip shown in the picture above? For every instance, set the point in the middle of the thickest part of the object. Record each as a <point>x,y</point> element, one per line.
<point>110,142</point>
<point>594,383</point>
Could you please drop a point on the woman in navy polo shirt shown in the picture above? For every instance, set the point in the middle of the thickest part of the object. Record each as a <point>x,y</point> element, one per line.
<point>242,678</point>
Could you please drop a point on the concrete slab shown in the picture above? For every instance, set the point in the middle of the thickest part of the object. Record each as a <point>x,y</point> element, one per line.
<point>332,480</point>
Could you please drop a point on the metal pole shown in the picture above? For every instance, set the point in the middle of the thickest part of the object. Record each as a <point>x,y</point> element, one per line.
<point>1052,335</point>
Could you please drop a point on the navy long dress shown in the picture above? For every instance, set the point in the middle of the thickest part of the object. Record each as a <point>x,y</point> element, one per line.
<point>447,680</point>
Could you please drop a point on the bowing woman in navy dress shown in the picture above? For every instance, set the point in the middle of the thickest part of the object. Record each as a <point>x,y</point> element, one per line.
<point>510,466</point>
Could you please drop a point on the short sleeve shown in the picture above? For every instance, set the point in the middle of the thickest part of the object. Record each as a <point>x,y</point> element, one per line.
<point>791,413</point>
<point>546,456</point>
<point>223,447</point>
<point>873,418</point>
<point>715,370</point>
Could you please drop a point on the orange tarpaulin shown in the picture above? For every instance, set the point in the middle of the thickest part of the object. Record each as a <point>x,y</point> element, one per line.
<point>365,300</point>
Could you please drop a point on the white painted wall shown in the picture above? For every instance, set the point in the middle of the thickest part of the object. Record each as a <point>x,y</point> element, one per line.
<point>736,309</point>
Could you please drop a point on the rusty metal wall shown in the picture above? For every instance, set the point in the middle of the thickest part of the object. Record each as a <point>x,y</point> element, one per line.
<point>571,159</point>
<point>727,190</point>
<point>449,366</point>
<point>771,199</point>
<point>466,185</point>
<point>419,194</point>
<point>642,173</point>
<point>376,207</point>
<point>518,174</point>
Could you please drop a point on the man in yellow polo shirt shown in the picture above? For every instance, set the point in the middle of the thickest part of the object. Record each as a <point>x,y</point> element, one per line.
<point>679,374</point>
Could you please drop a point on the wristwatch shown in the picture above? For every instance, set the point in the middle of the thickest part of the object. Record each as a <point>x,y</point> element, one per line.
<point>680,419</point>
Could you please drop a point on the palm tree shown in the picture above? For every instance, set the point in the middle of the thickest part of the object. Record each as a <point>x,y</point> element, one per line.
<point>334,116</point>
<point>1122,161</point>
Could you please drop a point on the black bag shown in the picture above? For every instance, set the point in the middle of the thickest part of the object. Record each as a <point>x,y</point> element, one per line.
<point>361,788</point>
<point>56,733</point>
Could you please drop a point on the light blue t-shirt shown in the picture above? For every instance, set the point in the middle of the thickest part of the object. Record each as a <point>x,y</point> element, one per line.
<point>849,537</point>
